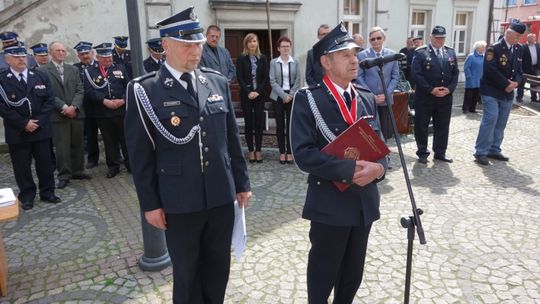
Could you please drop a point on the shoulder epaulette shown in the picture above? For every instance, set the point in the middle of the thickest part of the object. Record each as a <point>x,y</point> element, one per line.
<point>145,76</point>
<point>421,47</point>
<point>314,87</point>
<point>361,88</point>
<point>209,70</point>
<point>448,47</point>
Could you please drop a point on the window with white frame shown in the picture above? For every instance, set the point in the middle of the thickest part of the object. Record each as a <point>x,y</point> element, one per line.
<point>511,2</point>
<point>351,15</point>
<point>418,26</point>
<point>460,33</point>
<point>529,2</point>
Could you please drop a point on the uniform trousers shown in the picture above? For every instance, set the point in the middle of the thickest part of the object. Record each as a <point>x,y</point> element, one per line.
<point>336,260</point>
<point>199,245</point>
<point>91,133</point>
<point>21,158</point>
<point>440,109</point>
<point>282,111</point>
<point>68,143</point>
<point>112,131</point>
<point>253,111</point>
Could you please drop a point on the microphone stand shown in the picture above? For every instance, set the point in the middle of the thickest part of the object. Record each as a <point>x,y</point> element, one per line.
<point>412,221</point>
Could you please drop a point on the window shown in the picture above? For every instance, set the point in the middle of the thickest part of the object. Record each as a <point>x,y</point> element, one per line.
<point>418,23</point>
<point>528,2</point>
<point>351,16</point>
<point>460,33</point>
<point>511,2</point>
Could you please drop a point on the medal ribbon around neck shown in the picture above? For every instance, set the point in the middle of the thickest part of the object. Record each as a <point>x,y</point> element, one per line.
<point>348,116</point>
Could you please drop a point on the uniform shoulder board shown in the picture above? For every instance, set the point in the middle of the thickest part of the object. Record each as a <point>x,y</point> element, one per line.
<point>361,88</point>
<point>423,47</point>
<point>145,76</point>
<point>314,87</point>
<point>448,47</point>
<point>209,70</point>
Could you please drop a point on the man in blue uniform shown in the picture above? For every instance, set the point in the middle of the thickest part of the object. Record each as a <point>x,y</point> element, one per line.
<point>435,72</point>
<point>187,162</point>
<point>340,221</point>
<point>156,57</point>
<point>105,88</point>
<point>26,102</point>
<point>502,74</point>
<point>10,39</point>
<point>121,55</point>
<point>41,54</point>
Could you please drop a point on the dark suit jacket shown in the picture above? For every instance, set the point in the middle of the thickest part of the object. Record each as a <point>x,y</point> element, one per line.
<point>324,202</point>
<point>501,64</point>
<point>68,92</point>
<point>222,63</point>
<point>125,60</point>
<point>314,72</point>
<point>168,175</point>
<point>39,92</point>
<point>243,73</point>
<point>428,72</point>
<point>116,89</point>
<point>527,61</point>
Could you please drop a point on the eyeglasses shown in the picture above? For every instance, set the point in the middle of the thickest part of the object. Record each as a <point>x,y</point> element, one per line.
<point>375,38</point>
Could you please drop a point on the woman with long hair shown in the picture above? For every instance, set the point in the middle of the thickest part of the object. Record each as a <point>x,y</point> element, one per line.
<point>252,75</point>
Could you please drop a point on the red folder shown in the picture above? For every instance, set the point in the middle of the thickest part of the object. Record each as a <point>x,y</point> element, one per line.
<point>358,142</point>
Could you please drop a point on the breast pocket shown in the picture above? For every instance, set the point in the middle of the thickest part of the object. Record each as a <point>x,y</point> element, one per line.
<point>174,119</point>
<point>217,108</point>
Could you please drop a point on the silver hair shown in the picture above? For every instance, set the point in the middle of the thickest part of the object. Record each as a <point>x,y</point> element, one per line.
<point>377,29</point>
<point>478,44</point>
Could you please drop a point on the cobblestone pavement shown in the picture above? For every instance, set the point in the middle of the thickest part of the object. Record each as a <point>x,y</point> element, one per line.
<point>481,226</point>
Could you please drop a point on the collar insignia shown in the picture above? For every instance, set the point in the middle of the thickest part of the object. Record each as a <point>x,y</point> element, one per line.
<point>168,82</point>
<point>202,79</point>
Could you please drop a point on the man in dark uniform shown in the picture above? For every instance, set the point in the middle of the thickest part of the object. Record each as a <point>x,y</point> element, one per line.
<point>41,54</point>
<point>121,55</point>
<point>501,75</point>
<point>155,59</point>
<point>418,41</point>
<point>105,87</point>
<point>85,54</point>
<point>25,106</point>
<point>340,221</point>
<point>435,72</point>
<point>9,39</point>
<point>188,166</point>
<point>313,68</point>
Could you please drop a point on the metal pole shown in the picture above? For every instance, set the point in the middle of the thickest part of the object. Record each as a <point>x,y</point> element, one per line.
<point>490,28</point>
<point>155,256</point>
<point>269,28</point>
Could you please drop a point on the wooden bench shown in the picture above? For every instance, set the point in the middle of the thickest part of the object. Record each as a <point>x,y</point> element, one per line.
<point>533,81</point>
<point>6,214</point>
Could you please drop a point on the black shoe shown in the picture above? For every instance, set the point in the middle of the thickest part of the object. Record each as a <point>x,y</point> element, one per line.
<point>443,158</point>
<point>519,99</point>
<point>473,111</point>
<point>112,172</point>
<point>27,205</point>
<point>62,183</point>
<point>535,101</point>
<point>482,160</point>
<point>464,111</point>
<point>498,157</point>
<point>423,159</point>
<point>90,165</point>
<point>50,199</point>
<point>81,176</point>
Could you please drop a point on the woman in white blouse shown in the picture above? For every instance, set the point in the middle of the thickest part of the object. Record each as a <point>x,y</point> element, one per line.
<point>285,80</point>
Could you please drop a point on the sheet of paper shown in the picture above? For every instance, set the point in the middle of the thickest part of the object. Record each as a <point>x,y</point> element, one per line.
<point>7,197</point>
<point>239,237</point>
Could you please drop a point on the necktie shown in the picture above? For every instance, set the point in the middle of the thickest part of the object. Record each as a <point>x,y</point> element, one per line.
<point>61,71</point>
<point>187,78</point>
<point>21,79</point>
<point>347,99</point>
<point>440,56</point>
<point>378,54</point>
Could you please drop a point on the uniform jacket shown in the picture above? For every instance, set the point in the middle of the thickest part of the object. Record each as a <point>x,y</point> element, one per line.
<point>276,78</point>
<point>39,92</point>
<point>428,73</point>
<point>314,73</point>
<point>87,104</point>
<point>473,69</point>
<point>324,202</point>
<point>68,92</point>
<point>370,78</point>
<point>243,74</point>
<point>527,60</point>
<point>168,175</point>
<point>222,63</point>
<point>500,65</point>
<point>150,65</point>
<point>115,89</point>
<point>124,60</point>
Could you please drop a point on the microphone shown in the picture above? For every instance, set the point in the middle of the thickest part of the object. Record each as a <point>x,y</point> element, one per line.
<point>371,62</point>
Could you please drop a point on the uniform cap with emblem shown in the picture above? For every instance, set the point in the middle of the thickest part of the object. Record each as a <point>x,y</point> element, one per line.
<point>83,47</point>
<point>40,49</point>
<point>104,49</point>
<point>16,50</point>
<point>518,27</point>
<point>438,31</point>
<point>338,39</point>
<point>418,38</point>
<point>155,45</point>
<point>121,41</point>
<point>8,36</point>
<point>183,26</point>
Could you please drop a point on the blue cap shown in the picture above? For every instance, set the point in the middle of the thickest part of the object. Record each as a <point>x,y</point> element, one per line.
<point>183,26</point>
<point>17,50</point>
<point>438,31</point>
<point>518,27</point>
<point>40,49</point>
<point>338,39</point>
<point>83,47</point>
<point>8,36</point>
<point>104,50</point>
<point>155,45</point>
<point>121,41</point>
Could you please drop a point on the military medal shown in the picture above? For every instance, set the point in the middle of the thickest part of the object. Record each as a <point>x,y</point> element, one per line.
<point>175,121</point>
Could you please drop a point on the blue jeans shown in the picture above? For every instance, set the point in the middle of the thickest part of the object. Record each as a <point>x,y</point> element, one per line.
<point>491,132</point>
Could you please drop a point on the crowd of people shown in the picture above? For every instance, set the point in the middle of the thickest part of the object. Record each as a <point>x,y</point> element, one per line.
<point>183,146</point>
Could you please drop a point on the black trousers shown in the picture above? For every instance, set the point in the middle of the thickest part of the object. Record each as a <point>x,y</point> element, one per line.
<point>253,111</point>
<point>440,109</point>
<point>91,133</point>
<point>21,158</point>
<point>336,260</point>
<point>112,131</point>
<point>282,111</point>
<point>200,249</point>
<point>470,99</point>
